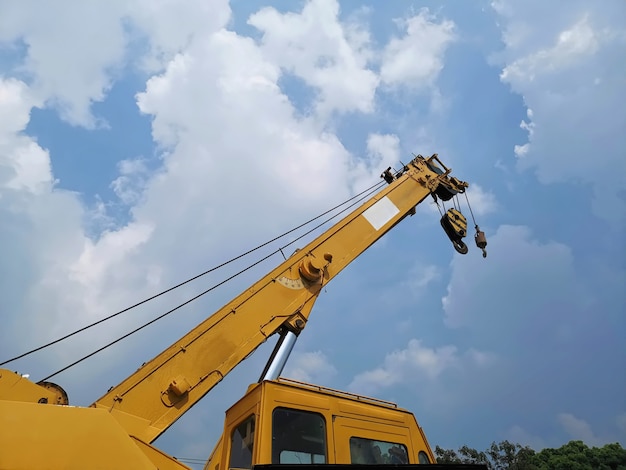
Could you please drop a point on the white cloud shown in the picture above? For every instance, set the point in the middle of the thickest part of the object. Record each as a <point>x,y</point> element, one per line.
<point>578,429</point>
<point>417,363</point>
<point>573,45</point>
<point>415,59</point>
<point>317,48</point>
<point>58,275</point>
<point>24,165</point>
<point>16,101</point>
<point>93,39</point>
<point>111,249</point>
<point>415,360</point>
<point>567,64</point>
<point>384,149</point>
<point>210,109</point>
<point>313,367</point>
<point>482,202</point>
<point>31,167</point>
<point>166,37</point>
<point>132,180</point>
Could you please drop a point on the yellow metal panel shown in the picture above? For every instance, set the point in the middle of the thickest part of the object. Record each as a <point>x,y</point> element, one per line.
<point>345,428</point>
<point>35,436</point>
<point>287,397</point>
<point>345,414</point>
<point>362,409</point>
<point>159,458</point>
<point>15,387</point>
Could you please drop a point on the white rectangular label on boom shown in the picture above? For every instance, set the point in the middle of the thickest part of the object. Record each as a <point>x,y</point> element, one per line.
<point>381,213</point>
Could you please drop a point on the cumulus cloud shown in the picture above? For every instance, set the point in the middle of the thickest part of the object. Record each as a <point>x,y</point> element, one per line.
<point>93,40</point>
<point>17,100</point>
<point>24,165</point>
<point>570,73</point>
<point>316,47</point>
<point>165,38</point>
<point>483,202</point>
<point>384,149</point>
<point>132,180</point>
<point>416,363</point>
<point>54,272</point>
<point>415,59</point>
<point>91,35</point>
<point>212,106</point>
<point>311,366</point>
<point>578,429</point>
<point>34,214</point>
<point>572,45</point>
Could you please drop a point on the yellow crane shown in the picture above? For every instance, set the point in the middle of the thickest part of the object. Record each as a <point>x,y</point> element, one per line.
<point>278,421</point>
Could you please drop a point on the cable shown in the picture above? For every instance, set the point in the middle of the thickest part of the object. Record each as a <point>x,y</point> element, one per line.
<point>80,330</point>
<point>154,320</point>
<point>470,208</point>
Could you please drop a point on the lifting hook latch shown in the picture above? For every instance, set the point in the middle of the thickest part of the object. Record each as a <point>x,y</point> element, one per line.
<point>481,240</point>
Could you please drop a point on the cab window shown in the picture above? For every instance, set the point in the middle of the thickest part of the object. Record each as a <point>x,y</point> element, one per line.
<point>298,437</point>
<point>372,452</point>
<point>241,444</point>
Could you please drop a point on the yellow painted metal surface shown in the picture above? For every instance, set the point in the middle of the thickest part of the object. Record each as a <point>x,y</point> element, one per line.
<point>15,387</point>
<point>346,416</point>
<point>158,457</point>
<point>37,436</point>
<point>168,385</point>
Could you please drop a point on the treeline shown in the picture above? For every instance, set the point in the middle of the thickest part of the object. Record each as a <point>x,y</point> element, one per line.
<point>575,455</point>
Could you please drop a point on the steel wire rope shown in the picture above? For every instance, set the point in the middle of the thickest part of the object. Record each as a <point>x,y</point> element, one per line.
<point>170,289</point>
<point>215,286</point>
<point>470,208</point>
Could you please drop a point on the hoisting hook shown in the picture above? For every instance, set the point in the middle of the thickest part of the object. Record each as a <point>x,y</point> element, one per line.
<point>481,240</point>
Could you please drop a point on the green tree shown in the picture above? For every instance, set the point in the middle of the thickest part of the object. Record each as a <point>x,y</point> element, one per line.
<point>509,456</point>
<point>502,456</point>
<point>473,456</point>
<point>575,455</point>
<point>446,455</point>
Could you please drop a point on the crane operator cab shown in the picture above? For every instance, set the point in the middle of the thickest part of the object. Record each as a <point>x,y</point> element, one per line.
<point>286,422</point>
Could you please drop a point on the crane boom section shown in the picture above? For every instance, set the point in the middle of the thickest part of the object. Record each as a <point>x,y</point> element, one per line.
<point>159,392</point>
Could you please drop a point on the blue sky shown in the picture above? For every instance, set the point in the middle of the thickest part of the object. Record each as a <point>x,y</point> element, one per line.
<point>143,143</point>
